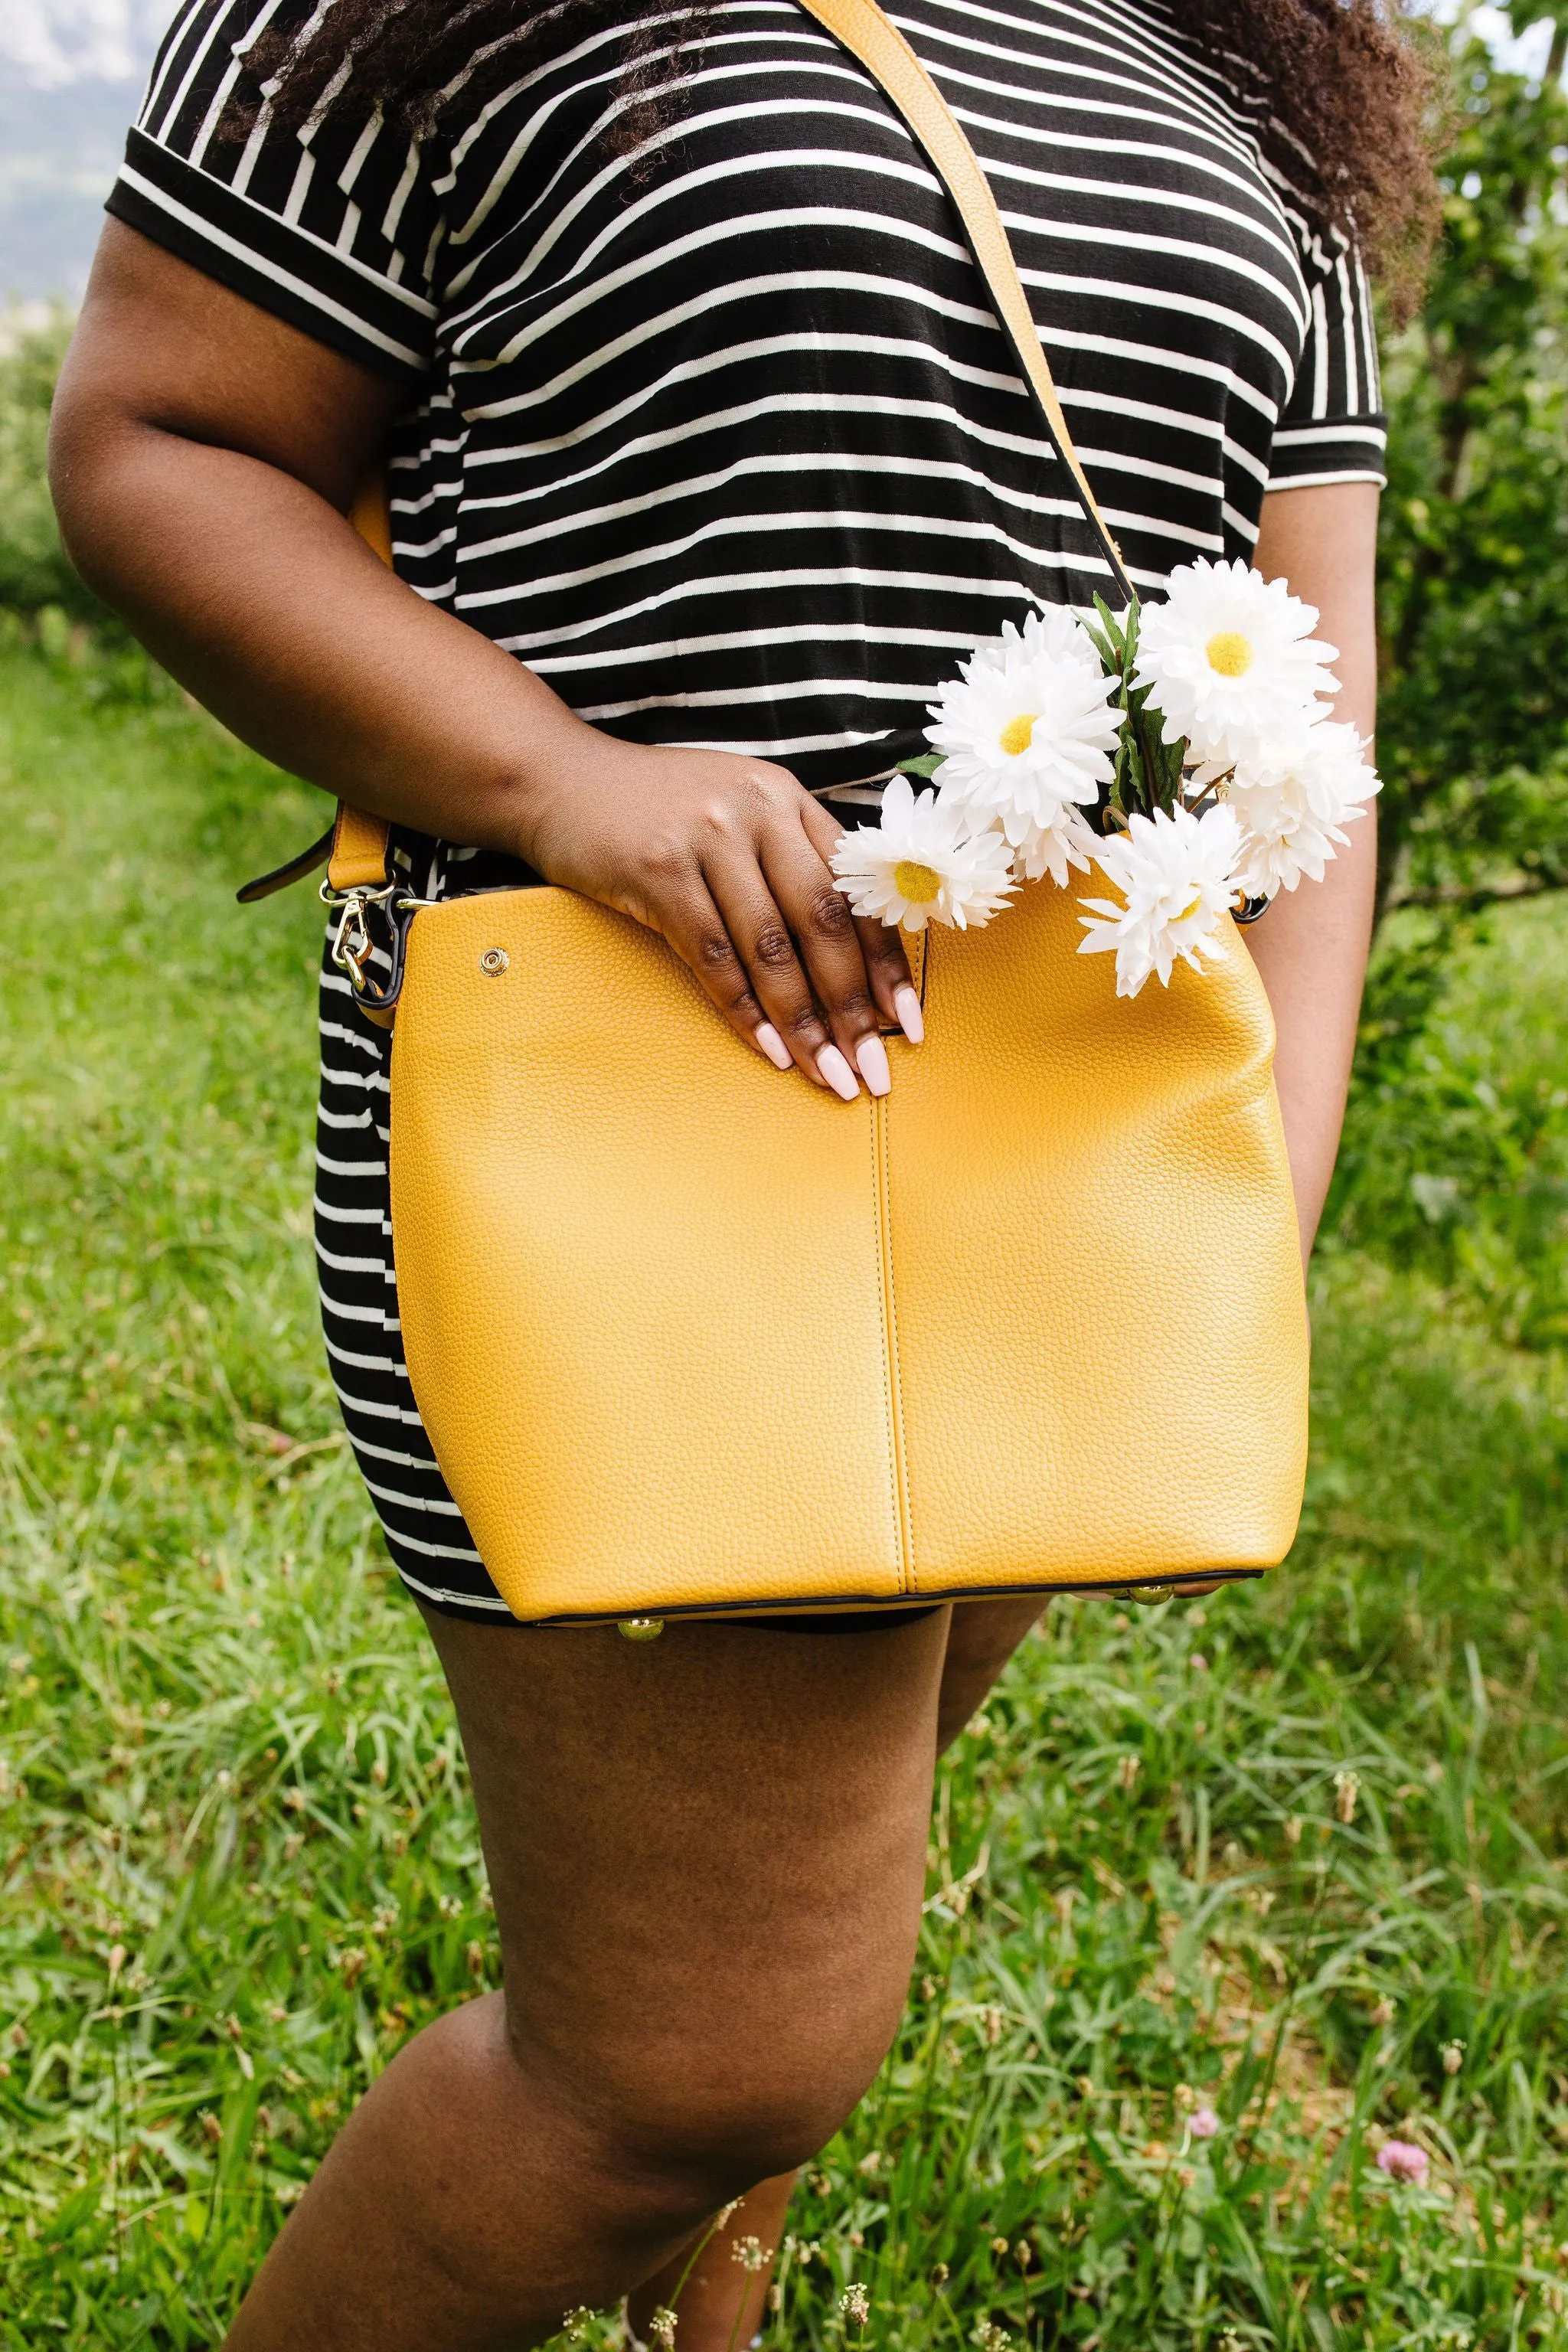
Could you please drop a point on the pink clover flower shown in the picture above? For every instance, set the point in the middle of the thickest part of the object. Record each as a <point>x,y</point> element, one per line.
<point>1403,2160</point>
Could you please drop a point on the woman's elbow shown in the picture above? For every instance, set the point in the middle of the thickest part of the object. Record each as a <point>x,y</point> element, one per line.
<point>89,432</point>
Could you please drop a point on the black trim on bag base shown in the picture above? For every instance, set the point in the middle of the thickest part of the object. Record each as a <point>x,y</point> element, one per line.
<point>1161,1588</point>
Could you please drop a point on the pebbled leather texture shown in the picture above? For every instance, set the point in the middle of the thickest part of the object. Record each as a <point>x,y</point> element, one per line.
<point>358,854</point>
<point>688,1334</point>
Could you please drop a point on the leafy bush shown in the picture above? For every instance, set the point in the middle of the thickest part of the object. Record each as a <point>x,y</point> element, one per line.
<point>1455,1152</point>
<point>1455,1160</point>
<point>35,571</point>
<point>1473,602</point>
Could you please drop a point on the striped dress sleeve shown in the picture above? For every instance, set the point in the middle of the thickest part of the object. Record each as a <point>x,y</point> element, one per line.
<point>332,225</point>
<point>1333,428</point>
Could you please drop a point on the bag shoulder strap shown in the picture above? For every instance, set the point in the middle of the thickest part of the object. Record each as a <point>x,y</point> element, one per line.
<point>358,842</point>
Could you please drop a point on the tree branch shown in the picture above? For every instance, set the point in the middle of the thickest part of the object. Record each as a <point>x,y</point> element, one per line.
<point>1486,894</point>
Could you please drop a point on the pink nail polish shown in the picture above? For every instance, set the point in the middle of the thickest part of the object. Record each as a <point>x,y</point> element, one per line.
<point>871,1056</point>
<point>772,1045</point>
<point>836,1071</point>
<point>912,1020</point>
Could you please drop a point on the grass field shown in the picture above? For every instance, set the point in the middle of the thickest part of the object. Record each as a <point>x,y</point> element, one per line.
<point>1292,1856</point>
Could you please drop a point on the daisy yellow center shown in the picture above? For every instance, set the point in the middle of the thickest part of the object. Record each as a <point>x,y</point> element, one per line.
<point>919,884</point>
<point>1018,733</point>
<point>1229,652</point>
<point>1191,909</point>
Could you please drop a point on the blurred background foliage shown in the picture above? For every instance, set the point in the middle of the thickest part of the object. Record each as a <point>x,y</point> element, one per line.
<point>1473,614</point>
<point>34,572</point>
<point>1456,1157</point>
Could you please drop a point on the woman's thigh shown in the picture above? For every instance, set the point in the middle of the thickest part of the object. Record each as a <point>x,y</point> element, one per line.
<point>707,1854</point>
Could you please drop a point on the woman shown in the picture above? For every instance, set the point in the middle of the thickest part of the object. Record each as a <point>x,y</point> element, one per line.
<point>707,465</point>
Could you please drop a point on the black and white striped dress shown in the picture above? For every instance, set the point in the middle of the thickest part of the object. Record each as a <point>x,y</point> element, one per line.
<point>722,439</point>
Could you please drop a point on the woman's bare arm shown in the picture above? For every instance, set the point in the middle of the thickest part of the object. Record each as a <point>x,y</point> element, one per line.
<point>1311,945</point>
<point>204,457</point>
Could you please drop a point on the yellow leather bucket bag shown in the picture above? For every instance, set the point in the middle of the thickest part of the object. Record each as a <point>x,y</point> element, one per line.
<point>690,1339</point>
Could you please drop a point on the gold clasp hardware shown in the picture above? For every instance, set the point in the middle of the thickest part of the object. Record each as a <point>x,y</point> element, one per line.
<point>351,942</point>
<point>352,947</point>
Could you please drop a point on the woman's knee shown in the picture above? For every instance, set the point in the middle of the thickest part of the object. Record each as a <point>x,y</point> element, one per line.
<point>699,2107</point>
<point>708,1857</point>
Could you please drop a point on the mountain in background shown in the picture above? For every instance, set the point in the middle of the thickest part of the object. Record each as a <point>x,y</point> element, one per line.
<point>71,74</point>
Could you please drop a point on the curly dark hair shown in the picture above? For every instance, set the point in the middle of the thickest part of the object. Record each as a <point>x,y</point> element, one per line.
<point>1343,94</point>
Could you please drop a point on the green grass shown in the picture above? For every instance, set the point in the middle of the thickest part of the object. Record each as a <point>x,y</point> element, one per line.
<point>239,1865</point>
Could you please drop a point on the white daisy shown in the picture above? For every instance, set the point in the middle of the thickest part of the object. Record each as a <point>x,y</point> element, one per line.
<point>1025,730</point>
<point>1230,661</point>
<point>1177,878</point>
<point>1294,803</point>
<point>925,862</point>
<point>1053,848</point>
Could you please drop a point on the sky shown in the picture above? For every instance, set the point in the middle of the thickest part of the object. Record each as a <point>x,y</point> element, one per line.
<point>70,75</point>
<point>47,44</point>
<point>1526,55</point>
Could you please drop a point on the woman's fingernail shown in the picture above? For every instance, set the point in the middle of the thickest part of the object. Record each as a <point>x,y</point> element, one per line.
<point>835,1072</point>
<point>871,1056</point>
<point>912,1020</point>
<point>773,1047</point>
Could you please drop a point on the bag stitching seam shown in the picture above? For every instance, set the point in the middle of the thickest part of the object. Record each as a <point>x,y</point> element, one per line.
<point>897,1435</point>
<point>877,1212</point>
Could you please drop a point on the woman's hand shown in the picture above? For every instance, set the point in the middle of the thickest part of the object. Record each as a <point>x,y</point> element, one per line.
<point>203,456</point>
<point>727,860</point>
